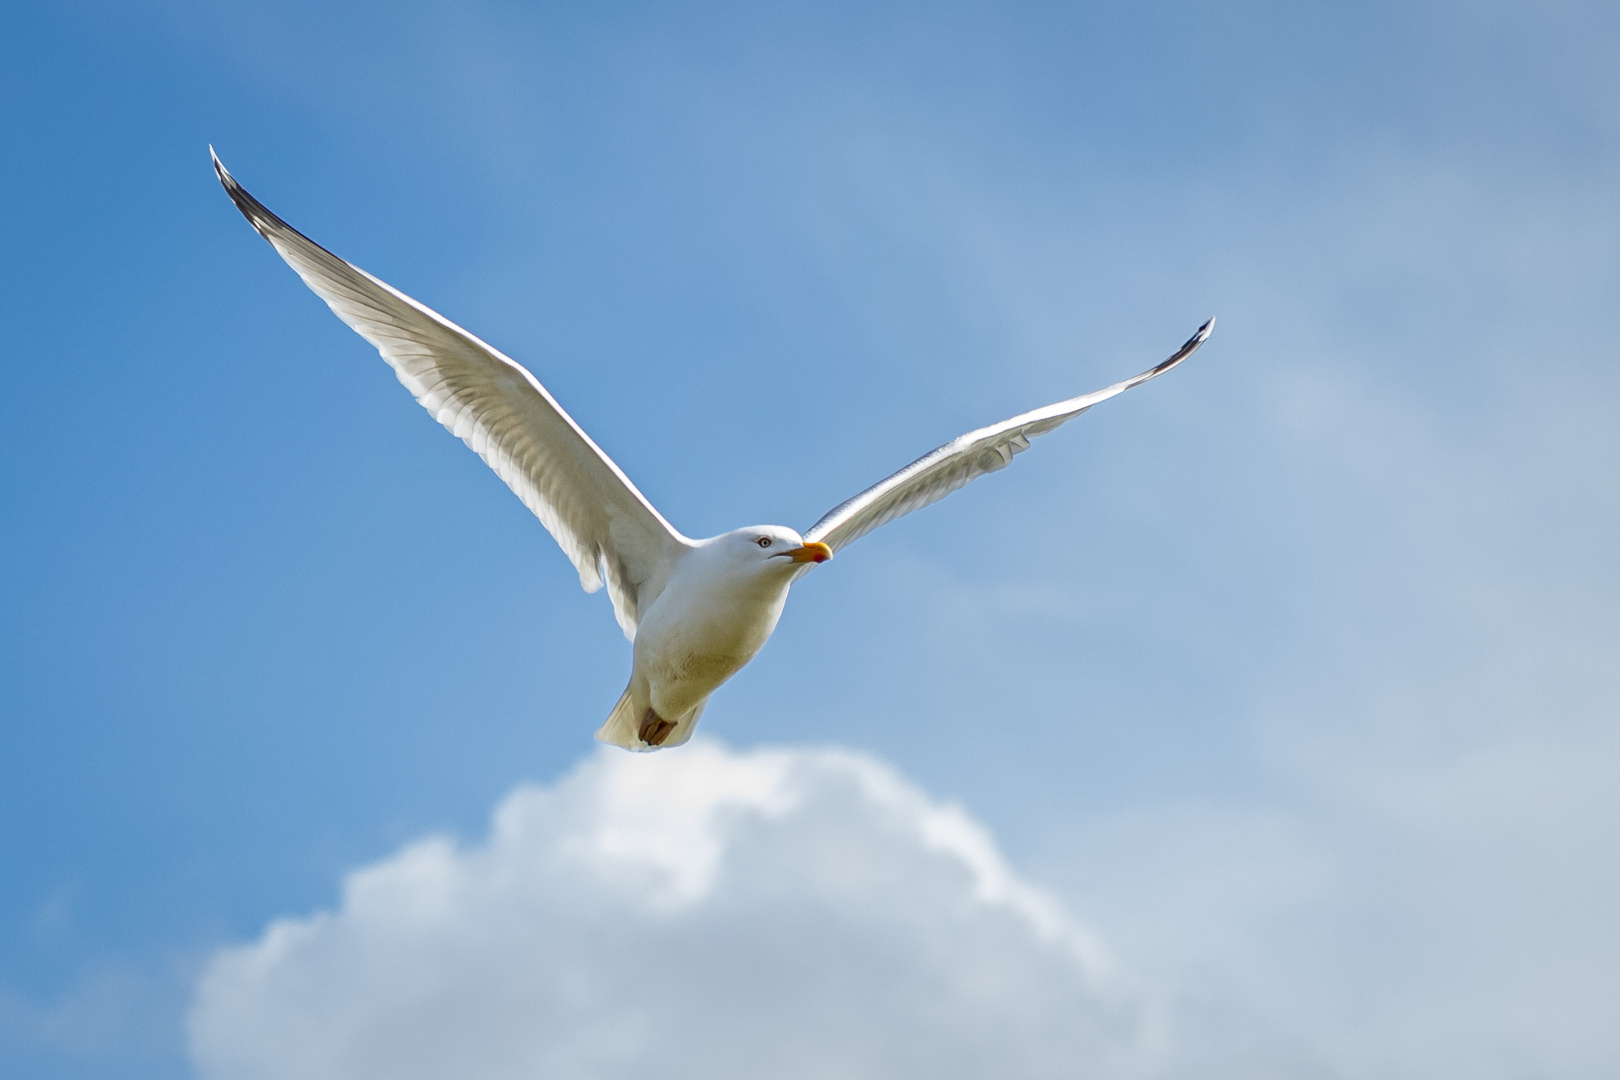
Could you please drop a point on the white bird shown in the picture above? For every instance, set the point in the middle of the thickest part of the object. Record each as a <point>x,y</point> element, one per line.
<point>696,611</point>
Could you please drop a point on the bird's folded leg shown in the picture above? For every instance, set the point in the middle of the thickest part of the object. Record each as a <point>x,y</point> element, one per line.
<point>654,728</point>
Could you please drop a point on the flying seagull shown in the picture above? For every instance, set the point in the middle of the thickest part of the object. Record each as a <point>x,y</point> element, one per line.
<point>696,611</point>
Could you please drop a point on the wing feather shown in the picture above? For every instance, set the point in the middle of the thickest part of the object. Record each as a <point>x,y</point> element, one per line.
<point>966,458</point>
<point>608,529</point>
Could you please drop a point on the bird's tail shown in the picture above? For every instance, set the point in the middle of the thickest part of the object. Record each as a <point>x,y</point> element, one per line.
<point>632,726</point>
<point>621,725</point>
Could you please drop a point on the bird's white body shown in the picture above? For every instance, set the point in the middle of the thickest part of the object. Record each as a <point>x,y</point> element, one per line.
<point>697,610</point>
<point>721,604</point>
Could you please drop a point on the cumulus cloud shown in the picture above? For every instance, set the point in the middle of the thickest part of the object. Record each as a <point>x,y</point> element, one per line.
<point>703,913</point>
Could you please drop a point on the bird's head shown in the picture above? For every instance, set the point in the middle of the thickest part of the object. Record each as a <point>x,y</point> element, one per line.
<point>774,548</point>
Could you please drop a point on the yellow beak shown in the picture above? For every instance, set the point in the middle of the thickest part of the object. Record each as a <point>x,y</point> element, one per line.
<point>815,551</point>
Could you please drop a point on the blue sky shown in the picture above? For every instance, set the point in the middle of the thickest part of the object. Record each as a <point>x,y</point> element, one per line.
<point>1290,675</point>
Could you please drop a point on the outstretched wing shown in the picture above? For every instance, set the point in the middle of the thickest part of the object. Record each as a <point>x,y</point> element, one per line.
<point>968,457</point>
<point>489,401</point>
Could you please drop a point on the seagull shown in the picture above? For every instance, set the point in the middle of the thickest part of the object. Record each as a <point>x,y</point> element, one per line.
<point>695,611</point>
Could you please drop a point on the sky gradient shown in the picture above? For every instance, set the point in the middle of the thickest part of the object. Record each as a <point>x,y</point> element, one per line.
<point>1289,676</point>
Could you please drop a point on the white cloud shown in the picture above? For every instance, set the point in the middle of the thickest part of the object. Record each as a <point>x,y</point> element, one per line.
<point>782,913</point>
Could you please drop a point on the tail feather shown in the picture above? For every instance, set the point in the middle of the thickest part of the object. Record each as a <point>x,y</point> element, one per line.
<point>683,729</point>
<point>620,726</point>
<point>623,725</point>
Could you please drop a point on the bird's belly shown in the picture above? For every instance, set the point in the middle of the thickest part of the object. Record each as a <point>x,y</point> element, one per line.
<point>684,659</point>
<point>700,671</point>
<point>690,658</point>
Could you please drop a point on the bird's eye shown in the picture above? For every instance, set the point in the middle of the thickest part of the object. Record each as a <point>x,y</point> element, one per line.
<point>763,541</point>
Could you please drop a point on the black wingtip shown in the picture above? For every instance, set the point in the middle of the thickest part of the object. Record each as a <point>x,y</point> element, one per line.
<point>228,182</point>
<point>1192,345</point>
<point>1200,336</point>
<point>220,171</point>
<point>258,215</point>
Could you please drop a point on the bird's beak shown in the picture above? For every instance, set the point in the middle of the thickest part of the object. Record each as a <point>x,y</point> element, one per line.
<point>815,551</point>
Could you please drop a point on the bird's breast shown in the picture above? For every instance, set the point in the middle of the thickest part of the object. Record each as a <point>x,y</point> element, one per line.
<point>699,634</point>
